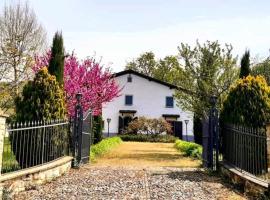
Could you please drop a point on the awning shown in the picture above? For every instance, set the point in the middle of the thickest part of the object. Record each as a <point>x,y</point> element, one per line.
<point>127,111</point>
<point>170,115</point>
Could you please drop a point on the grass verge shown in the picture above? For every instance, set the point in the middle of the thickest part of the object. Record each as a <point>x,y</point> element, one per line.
<point>189,148</point>
<point>148,138</point>
<point>103,147</point>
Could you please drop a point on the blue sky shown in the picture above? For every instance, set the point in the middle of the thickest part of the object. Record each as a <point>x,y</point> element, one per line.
<point>119,30</point>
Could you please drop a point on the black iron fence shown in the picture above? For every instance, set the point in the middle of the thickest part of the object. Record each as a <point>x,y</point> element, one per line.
<point>34,143</point>
<point>245,148</point>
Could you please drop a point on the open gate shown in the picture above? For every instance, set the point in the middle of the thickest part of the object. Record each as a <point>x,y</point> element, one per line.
<point>82,126</point>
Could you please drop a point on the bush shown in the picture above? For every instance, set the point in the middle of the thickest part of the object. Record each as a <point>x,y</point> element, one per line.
<point>149,126</point>
<point>103,147</point>
<point>97,129</point>
<point>148,138</point>
<point>189,148</point>
<point>42,99</point>
<point>247,103</point>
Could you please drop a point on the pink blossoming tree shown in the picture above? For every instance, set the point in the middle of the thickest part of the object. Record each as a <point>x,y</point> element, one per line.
<point>87,77</point>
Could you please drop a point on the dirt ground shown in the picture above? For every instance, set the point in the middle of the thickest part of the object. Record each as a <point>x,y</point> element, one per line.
<point>145,154</point>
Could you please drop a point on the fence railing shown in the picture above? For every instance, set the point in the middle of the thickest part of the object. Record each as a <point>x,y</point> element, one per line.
<point>245,148</point>
<point>34,143</point>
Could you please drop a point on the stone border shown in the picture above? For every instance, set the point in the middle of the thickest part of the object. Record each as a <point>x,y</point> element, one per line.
<point>252,186</point>
<point>15,182</point>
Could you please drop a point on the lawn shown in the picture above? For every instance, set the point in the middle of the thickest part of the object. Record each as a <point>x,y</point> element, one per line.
<point>146,154</point>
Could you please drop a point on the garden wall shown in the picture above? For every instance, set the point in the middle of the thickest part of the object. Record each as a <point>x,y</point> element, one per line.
<point>251,186</point>
<point>15,182</point>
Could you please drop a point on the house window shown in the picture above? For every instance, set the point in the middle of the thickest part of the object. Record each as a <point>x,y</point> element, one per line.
<point>129,79</point>
<point>169,102</point>
<point>129,100</point>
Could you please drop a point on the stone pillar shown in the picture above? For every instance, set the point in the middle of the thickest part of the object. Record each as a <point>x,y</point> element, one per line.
<point>2,135</point>
<point>268,143</point>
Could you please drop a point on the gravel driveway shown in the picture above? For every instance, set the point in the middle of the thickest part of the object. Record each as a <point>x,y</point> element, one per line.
<point>96,182</point>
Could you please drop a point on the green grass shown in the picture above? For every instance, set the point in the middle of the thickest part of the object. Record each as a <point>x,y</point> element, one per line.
<point>9,160</point>
<point>189,148</point>
<point>103,147</point>
<point>148,138</point>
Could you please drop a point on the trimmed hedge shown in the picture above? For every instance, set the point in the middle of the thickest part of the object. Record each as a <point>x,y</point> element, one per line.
<point>189,148</point>
<point>148,138</point>
<point>103,147</point>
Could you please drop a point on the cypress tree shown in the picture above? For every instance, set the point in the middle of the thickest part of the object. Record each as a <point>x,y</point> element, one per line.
<point>56,65</point>
<point>245,65</point>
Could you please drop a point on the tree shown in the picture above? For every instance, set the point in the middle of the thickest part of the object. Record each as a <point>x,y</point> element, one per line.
<point>262,69</point>
<point>167,69</point>
<point>245,65</point>
<point>144,64</point>
<point>21,36</point>
<point>87,77</point>
<point>209,70</point>
<point>247,103</point>
<point>41,99</point>
<point>56,64</point>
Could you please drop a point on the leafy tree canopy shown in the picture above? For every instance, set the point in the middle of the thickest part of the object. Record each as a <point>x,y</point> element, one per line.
<point>209,70</point>
<point>262,69</point>
<point>41,99</point>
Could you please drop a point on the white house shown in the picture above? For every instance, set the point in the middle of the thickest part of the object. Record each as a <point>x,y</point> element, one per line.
<point>145,96</point>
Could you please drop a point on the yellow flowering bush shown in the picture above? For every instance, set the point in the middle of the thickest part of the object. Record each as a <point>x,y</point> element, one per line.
<point>248,102</point>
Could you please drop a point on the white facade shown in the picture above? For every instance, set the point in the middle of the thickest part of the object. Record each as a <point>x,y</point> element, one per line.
<point>149,100</point>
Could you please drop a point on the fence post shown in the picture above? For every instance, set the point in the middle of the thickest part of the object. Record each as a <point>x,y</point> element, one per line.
<point>268,143</point>
<point>2,136</point>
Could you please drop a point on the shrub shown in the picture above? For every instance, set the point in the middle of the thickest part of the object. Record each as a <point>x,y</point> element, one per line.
<point>189,148</point>
<point>247,103</point>
<point>103,147</point>
<point>42,99</point>
<point>148,138</point>
<point>97,129</point>
<point>149,126</point>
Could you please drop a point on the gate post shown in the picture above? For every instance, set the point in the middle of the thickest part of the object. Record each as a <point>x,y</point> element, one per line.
<point>2,137</point>
<point>268,143</point>
<point>77,131</point>
<point>210,137</point>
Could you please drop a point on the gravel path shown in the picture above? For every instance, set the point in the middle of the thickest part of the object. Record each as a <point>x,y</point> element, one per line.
<point>97,182</point>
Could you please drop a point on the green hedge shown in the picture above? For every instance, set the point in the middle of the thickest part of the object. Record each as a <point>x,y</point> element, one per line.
<point>189,148</point>
<point>103,147</point>
<point>148,138</point>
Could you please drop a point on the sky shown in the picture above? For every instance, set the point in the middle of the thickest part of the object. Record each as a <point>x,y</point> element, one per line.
<point>119,30</point>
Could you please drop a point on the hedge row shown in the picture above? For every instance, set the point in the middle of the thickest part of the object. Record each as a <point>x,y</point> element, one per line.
<point>148,138</point>
<point>103,147</point>
<point>189,148</point>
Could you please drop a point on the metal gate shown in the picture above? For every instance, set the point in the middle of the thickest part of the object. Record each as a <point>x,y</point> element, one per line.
<point>82,126</point>
<point>211,137</point>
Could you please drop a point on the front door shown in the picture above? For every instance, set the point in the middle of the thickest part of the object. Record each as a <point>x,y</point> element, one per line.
<point>178,128</point>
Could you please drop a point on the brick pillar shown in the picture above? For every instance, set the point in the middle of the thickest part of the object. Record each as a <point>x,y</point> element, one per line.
<point>268,143</point>
<point>2,135</point>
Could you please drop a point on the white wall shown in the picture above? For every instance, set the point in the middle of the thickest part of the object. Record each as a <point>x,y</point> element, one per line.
<point>149,99</point>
